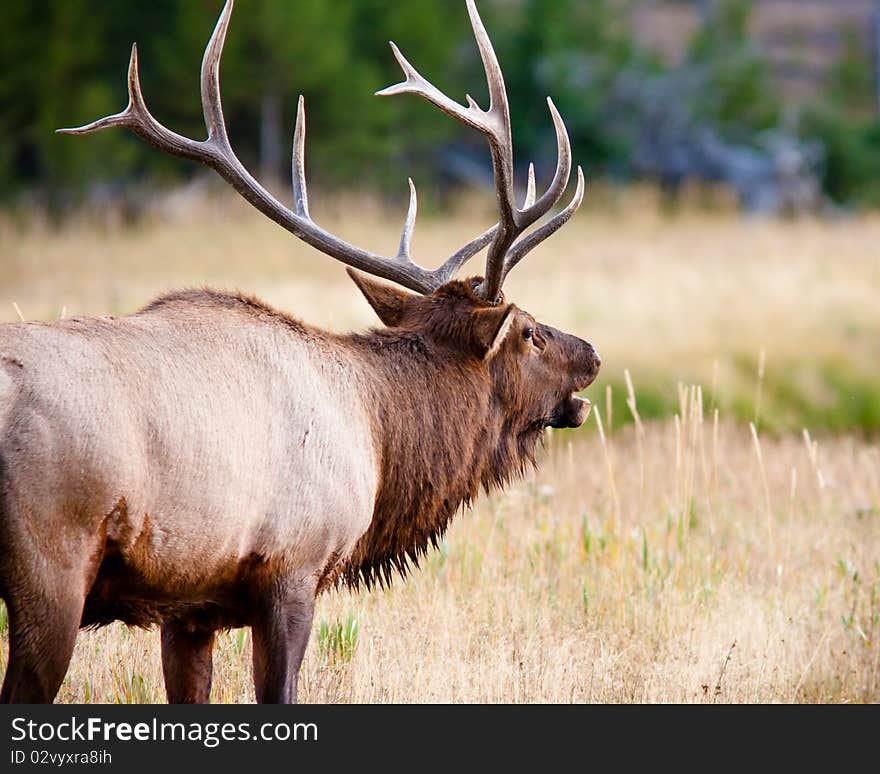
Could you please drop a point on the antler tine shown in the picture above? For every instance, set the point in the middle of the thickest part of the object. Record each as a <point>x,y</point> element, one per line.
<point>458,259</point>
<point>416,83</point>
<point>405,249</point>
<point>531,241</point>
<point>210,80</point>
<point>530,189</point>
<point>138,118</point>
<point>216,152</point>
<point>494,123</point>
<point>298,176</point>
<point>534,211</point>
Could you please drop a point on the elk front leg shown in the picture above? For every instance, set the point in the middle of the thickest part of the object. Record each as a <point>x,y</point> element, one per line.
<point>187,662</point>
<point>281,633</point>
<point>44,617</point>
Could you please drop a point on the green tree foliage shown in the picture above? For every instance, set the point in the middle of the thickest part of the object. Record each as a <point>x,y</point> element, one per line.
<point>852,156</point>
<point>845,120</point>
<point>851,88</point>
<point>63,63</point>
<point>739,94</point>
<point>573,51</point>
<point>47,66</point>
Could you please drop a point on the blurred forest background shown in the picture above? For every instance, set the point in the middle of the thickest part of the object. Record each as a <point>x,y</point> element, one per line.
<point>776,99</point>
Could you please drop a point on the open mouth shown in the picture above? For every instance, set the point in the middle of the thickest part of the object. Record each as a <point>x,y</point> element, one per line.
<point>572,412</point>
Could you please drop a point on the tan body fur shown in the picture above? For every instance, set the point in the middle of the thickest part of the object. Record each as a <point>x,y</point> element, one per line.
<point>206,455</point>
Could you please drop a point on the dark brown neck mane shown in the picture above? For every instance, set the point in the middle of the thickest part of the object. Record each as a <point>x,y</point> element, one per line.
<point>442,435</point>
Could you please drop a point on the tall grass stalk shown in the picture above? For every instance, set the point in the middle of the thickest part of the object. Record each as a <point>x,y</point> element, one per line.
<point>813,456</point>
<point>640,432</point>
<point>609,409</point>
<point>609,466</point>
<point>765,487</point>
<point>759,393</point>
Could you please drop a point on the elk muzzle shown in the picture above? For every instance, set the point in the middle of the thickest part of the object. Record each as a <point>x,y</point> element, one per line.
<point>585,362</point>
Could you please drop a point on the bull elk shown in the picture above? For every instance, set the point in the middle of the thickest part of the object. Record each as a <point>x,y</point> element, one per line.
<point>210,462</point>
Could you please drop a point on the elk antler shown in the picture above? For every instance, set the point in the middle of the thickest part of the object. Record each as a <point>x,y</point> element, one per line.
<point>495,124</point>
<point>216,152</point>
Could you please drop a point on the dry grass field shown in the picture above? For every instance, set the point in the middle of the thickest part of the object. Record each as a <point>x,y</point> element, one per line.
<point>691,557</point>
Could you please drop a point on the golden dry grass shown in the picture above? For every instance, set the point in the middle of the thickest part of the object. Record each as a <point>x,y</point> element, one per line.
<point>546,593</point>
<point>683,562</point>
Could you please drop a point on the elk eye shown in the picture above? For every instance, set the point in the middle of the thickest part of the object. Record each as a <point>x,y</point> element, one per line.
<point>528,333</point>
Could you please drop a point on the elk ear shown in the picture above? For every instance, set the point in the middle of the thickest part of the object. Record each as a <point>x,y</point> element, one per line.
<point>492,327</point>
<point>389,302</point>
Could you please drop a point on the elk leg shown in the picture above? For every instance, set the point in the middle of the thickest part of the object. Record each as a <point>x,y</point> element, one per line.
<point>281,633</point>
<point>43,623</point>
<point>187,662</point>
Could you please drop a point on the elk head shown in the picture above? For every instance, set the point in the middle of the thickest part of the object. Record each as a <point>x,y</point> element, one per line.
<point>536,368</point>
